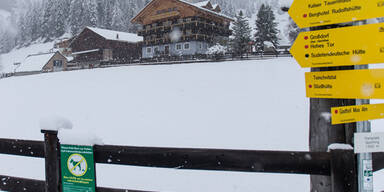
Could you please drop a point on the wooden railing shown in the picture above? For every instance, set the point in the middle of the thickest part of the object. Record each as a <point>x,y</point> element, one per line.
<point>339,164</point>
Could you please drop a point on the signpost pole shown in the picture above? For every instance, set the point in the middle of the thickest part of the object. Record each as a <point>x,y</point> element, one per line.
<point>323,133</point>
<point>364,160</point>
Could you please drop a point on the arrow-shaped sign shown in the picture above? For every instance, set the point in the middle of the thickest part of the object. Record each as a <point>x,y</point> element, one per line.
<point>346,84</point>
<point>351,114</point>
<point>341,46</point>
<point>310,13</point>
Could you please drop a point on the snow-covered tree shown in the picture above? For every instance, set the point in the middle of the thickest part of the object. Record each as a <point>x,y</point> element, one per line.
<point>89,13</point>
<point>107,14</point>
<point>117,17</point>
<point>242,35</point>
<point>60,18</point>
<point>75,17</point>
<point>48,19</point>
<point>293,30</point>
<point>217,51</point>
<point>266,28</point>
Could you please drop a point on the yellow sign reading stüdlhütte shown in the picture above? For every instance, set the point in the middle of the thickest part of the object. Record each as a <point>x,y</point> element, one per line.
<point>346,84</point>
<point>310,13</point>
<point>351,114</point>
<point>341,46</point>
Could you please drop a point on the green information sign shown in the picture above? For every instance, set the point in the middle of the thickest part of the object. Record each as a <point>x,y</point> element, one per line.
<point>77,168</point>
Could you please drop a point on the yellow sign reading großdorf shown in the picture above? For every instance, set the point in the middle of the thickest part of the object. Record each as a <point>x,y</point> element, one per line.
<point>339,47</point>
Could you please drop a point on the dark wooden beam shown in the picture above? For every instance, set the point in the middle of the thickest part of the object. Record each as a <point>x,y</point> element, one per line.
<point>378,161</point>
<point>52,161</point>
<point>343,171</point>
<point>20,184</point>
<point>22,147</point>
<point>317,163</point>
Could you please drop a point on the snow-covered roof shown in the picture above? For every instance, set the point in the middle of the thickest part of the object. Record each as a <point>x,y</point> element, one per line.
<point>197,5</point>
<point>201,4</point>
<point>87,51</point>
<point>35,62</point>
<point>207,10</point>
<point>117,35</point>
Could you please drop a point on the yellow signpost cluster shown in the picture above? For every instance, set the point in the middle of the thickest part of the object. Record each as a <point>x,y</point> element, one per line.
<point>356,45</point>
<point>345,46</point>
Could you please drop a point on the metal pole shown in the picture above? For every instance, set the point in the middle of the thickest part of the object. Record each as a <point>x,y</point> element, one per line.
<point>364,160</point>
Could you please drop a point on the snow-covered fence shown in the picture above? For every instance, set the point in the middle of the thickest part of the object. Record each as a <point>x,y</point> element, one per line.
<point>339,163</point>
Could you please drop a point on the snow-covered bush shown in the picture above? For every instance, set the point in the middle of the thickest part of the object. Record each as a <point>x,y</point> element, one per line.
<point>217,51</point>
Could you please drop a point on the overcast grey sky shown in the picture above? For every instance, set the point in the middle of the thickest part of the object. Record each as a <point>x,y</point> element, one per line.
<point>6,4</point>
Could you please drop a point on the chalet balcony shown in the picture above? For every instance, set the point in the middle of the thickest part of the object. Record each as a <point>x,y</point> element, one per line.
<point>216,29</point>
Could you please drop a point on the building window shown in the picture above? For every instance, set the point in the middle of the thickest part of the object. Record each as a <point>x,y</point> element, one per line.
<point>156,50</point>
<point>149,50</point>
<point>166,49</point>
<point>57,63</point>
<point>179,47</point>
<point>186,46</point>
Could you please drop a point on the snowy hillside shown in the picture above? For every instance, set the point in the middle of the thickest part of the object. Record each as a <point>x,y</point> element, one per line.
<point>18,55</point>
<point>235,105</point>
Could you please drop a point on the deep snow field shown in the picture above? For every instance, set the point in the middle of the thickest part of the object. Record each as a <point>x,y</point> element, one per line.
<point>257,105</point>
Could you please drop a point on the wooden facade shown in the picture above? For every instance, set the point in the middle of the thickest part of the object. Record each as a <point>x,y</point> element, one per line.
<point>57,63</point>
<point>196,23</point>
<point>90,46</point>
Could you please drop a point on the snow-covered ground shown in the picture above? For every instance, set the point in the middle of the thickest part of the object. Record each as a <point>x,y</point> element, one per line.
<point>259,105</point>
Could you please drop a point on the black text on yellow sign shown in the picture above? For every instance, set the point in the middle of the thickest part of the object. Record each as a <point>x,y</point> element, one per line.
<point>346,84</point>
<point>310,13</point>
<point>340,47</point>
<point>351,114</point>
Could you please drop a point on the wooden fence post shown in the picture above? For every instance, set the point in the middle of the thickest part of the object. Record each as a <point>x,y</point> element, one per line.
<point>52,161</point>
<point>343,171</point>
<point>322,132</point>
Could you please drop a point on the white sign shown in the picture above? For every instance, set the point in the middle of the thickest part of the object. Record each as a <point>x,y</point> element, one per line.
<point>369,142</point>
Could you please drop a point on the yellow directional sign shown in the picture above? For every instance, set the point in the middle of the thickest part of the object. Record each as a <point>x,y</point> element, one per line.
<point>310,13</point>
<point>341,46</point>
<point>351,114</point>
<point>346,84</point>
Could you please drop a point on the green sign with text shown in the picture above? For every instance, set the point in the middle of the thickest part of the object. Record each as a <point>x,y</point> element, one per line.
<point>77,168</point>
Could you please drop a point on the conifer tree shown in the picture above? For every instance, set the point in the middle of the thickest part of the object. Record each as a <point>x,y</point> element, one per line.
<point>89,15</point>
<point>242,35</point>
<point>117,17</point>
<point>59,18</point>
<point>108,10</point>
<point>266,28</point>
<point>293,30</point>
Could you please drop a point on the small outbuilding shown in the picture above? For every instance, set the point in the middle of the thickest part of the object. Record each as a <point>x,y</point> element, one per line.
<point>97,45</point>
<point>43,62</point>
